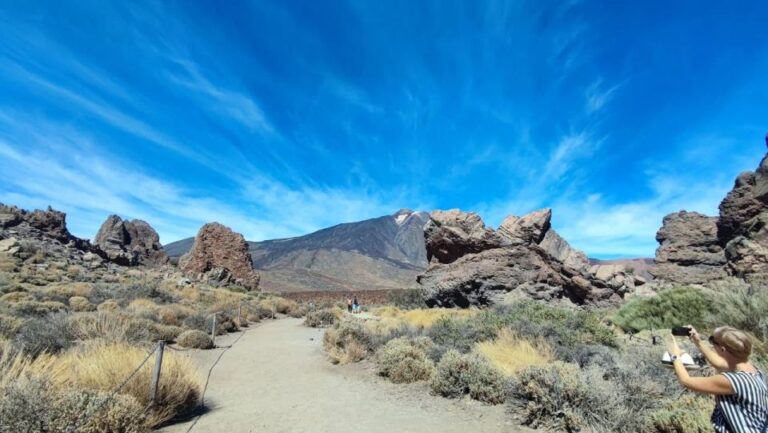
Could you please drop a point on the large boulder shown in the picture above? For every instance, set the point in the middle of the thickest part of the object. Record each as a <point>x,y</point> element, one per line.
<point>689,251</point>
<point>216,249</point>
<point>473,265</point>
<point>502,275</point>
<point>451,234</point>
<point>528,229</point>
<point>131,243</point>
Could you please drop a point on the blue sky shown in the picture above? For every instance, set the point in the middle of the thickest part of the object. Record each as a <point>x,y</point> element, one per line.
<point>281,118</point>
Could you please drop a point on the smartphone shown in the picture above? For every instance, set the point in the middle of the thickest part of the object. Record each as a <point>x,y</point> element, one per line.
<point>681,331</point>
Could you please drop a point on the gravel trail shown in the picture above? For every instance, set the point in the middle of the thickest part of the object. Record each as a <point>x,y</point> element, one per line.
<point>277,379</point>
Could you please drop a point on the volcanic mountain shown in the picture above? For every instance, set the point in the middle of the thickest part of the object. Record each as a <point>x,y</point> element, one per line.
<point>380,253</point>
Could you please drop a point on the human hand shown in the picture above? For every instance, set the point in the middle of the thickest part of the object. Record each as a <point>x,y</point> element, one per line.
<point>673,348</point>
<point>694,335</point>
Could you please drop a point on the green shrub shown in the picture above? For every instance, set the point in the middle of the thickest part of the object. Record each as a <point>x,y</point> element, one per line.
<point>403,360</point>
<point>406,298</point>
<point>561,327</point>
<point>30,405</point>
<point>195,339</point>
<point>319,318</point>
<point>687,414</point>
<point>459,374</point>
<point>742,308</point>
<point>673,307</point>
<point>461,334</point>
<point>51,334</point>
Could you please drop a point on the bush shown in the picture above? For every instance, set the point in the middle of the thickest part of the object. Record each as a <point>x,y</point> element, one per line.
<point>673,307</point>
<point>324,317</point>
<point>51,334</point>
<point>687,414</point>
<point>109,306</point>
<point>462,333</point>
<point>563,328</point>
<point>9,326</point>
<point>100,367</point>
<point>195,339</point>
<point>550,396</point>
<point>406,298</point>
<point>299,311</point>
<point>36,308</point>
<point>348,341</point>
<point>743,309</point>
<point>459,374</point>
<point>79,303</point>
<point>403,360</point>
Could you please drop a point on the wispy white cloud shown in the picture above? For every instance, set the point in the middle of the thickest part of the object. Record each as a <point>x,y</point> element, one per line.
<point>597,96</point>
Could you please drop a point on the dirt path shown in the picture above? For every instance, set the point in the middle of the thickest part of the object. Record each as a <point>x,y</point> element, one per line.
<point>276,379</point>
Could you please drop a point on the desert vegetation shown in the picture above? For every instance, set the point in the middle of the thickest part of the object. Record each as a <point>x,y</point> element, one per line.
<point>69,336</point>
<point>555,367</point>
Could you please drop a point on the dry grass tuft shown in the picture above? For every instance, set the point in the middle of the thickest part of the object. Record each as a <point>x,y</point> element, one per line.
<point>79,304</point>
<point>421,318</point>
<point>101,367</point>
<point>509,353</point>
<point>109,306</point>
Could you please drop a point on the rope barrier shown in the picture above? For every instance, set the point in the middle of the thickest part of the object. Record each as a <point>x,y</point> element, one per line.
<point>112,395</point>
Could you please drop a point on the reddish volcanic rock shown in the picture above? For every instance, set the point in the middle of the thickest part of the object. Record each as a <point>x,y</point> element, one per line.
<point>217,246</point>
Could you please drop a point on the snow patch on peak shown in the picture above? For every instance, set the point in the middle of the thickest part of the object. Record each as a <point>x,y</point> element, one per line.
<point>400,219</point>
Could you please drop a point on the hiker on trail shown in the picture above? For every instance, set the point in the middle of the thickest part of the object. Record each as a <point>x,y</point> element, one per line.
<point>355,306</point>
<point>740,389</point>
<point>349,304</point>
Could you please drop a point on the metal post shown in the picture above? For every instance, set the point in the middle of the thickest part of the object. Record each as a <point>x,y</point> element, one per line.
<point>156,372</point>
<point>213,328</point>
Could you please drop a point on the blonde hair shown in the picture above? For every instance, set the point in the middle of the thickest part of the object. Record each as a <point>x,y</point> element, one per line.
<point>736,342</point>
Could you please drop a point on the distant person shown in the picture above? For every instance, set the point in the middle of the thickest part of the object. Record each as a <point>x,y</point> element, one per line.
<point>349,304</point>
<point>740,389</point>
<point>355,305</point>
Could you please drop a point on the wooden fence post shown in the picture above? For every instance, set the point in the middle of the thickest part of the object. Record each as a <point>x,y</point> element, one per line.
<point>239,313</point>
<point>156,372</point>
<point>213,328</point>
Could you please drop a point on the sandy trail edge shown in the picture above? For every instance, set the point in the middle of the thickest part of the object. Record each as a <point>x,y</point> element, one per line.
<point>277,379</point>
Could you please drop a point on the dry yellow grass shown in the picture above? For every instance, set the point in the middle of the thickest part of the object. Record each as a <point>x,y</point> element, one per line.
<point>102,367</point>
<point>510,353</point>
<point>109,306</point>
<point>79,303</point>
<point>393,317</point>
<point>73,289</point>
<point>142,305</point>
<point>191,293</point>
<point>17,297</point>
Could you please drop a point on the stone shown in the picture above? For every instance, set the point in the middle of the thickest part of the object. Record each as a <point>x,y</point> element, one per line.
<point>452,234</point>
<point>528,229</point>
<point>689,250</point>
<point>7,244</point>
<point>183,282</point>
<point>473,265</point>
<point>131,243</point>
<point>217,246</point>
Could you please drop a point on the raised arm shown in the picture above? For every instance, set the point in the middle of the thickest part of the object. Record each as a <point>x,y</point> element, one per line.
<point>710,355</point>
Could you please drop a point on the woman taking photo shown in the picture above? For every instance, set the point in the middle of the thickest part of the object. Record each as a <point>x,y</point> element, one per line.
<point>740,390</point>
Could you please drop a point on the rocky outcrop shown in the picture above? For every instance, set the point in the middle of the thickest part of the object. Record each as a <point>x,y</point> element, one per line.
<point>743,224</point>
<point>473,265</point>
<point>45,233</point>
<point>696,249</point>
<point>218,249</point>
<point>452,234</point>
<point>561,250</point>
<point>689,251</point>
<point>130,243</point>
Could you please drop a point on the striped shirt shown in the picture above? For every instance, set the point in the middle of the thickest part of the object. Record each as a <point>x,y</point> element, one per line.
<point>745,411</point>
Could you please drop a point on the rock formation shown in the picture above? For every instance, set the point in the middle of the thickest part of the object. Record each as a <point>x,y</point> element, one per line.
<point>452,234</point>
<point>696,249</point>
<point>130,243</point>
<point>45,231</point>
<point>689,252</point>
<point>219,254</point>
<point>743,225</point>
<point>474,265</point>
